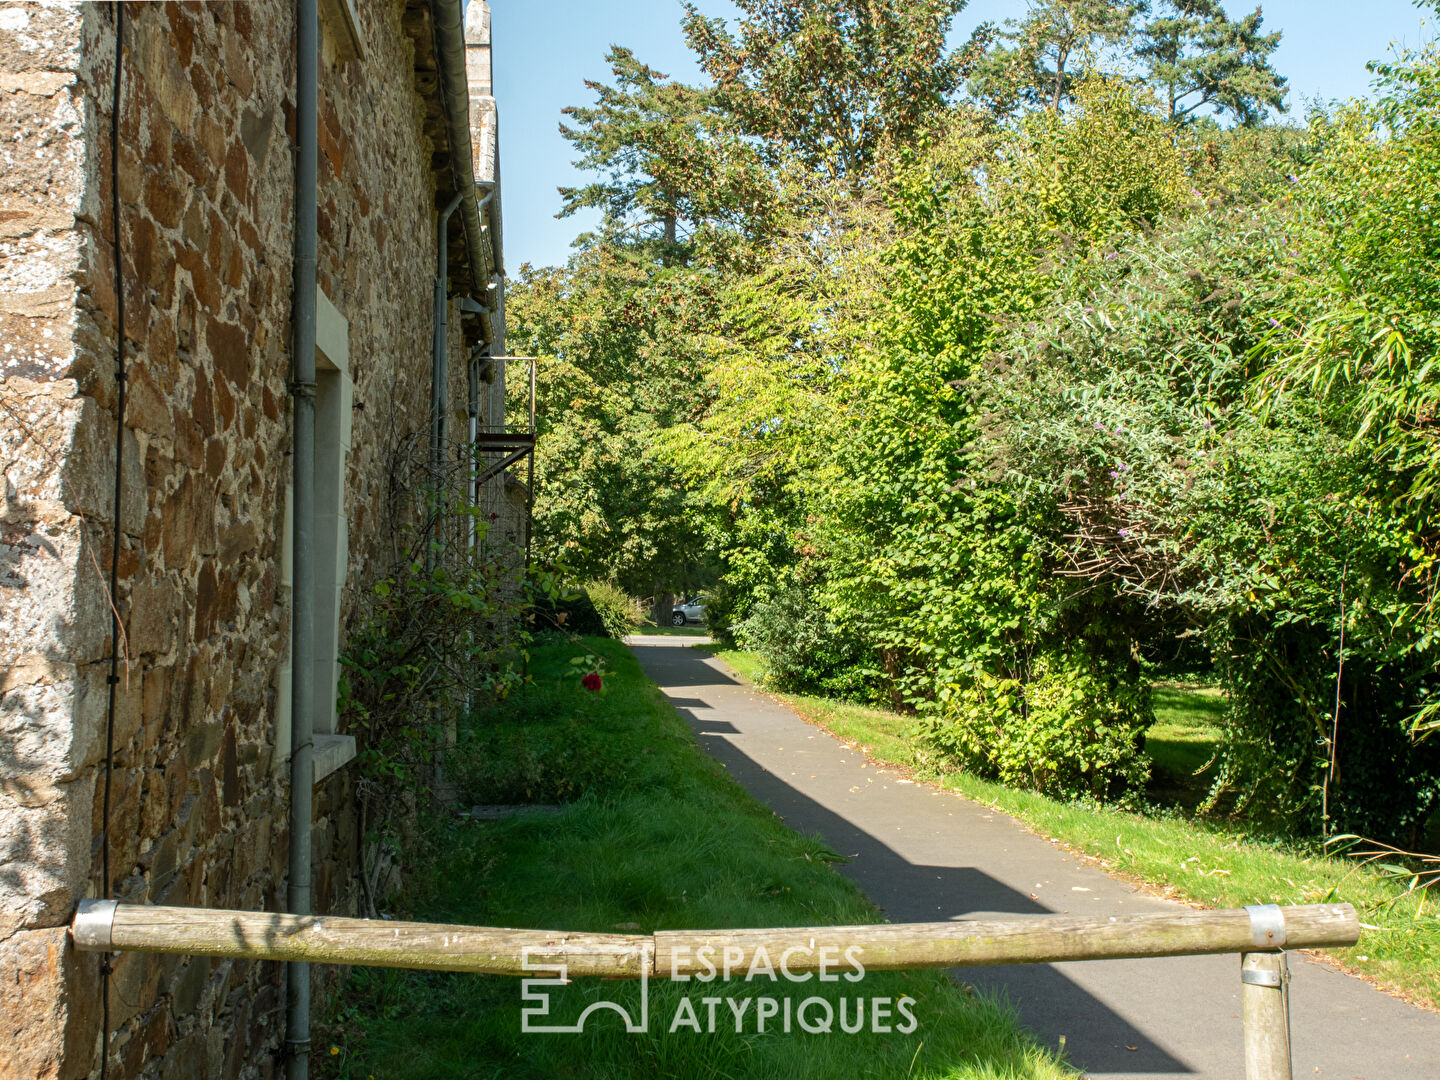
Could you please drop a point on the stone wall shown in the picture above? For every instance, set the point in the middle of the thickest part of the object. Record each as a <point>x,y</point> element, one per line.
<point>199,788</point>
<point>52,626</point>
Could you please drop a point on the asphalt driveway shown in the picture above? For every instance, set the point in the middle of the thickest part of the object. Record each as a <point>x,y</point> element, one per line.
<point>924,855</point>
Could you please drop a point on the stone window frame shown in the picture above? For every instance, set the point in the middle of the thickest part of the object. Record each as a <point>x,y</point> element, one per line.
<point>334,411</point>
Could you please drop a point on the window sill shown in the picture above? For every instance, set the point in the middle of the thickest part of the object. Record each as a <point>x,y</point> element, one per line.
<point>331,754</point>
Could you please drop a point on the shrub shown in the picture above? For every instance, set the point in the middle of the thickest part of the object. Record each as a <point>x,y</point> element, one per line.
<point>1276,752</point>
<point>437,631</point>
<point>803,648</point>
<point>1075,728</point>
<point>569,613</point>
<point>724,611</point>
<point>594,609</point>
<point>618,612</point>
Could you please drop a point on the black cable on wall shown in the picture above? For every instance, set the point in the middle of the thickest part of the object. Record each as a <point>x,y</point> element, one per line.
<point>114,678</point>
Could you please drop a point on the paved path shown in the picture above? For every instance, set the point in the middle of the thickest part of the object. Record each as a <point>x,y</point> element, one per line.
<point>924,855</point>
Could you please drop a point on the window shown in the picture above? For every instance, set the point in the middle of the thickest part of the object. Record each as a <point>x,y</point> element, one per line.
<point>334,407</point>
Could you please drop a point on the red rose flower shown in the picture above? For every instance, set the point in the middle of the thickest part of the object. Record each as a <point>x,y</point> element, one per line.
<point>591,681</point>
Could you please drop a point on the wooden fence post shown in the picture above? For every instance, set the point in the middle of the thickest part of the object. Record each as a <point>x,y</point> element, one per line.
<point>1265,1004</point>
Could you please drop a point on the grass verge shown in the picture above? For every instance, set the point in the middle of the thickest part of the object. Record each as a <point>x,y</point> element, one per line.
<point>652,835</point>
<point>1209,863</point>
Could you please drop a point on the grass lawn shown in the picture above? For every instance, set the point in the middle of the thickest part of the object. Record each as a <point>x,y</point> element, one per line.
<point>1184,741</point>
<point>1193,859</point>
<point>652,835</point>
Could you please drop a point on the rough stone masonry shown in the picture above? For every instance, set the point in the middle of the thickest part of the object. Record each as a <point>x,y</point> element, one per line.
<point>206,188</point>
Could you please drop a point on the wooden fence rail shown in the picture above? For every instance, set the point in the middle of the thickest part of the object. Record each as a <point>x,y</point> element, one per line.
<point>1259,934</point>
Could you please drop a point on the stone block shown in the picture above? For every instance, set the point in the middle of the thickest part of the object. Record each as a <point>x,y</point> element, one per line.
<point>165,199</point>
<point>202,745</point>
<point>203,278</point>
<point>44,1022</point>
<point>230,792</point>
<point>127,818</point>
<point>224,405</point>
<point>157,59</point>
<point>156,689</point>
<point>202,404</point>
<point>237,172</point>
<point>147,408</point>
<point>213,138</point>
<point>189,985</point>
<point>178,531</point>
<point>187,1059</point>
<point>230,349</point>
<point>128,991</point>
<point>192,160</point>
<point>163,860</point>
<point>237,62</point>
<point>204,85</point>
<point>88,482</point>
<point>216,599</point>
<point>239,541</point>
<point>155,606</point>
<point>151,1040</point>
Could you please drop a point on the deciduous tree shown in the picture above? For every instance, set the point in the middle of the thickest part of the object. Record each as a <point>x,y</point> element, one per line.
<point>614,331</point>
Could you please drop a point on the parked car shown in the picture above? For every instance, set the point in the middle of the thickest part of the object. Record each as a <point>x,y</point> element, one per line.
<point>692,611</point>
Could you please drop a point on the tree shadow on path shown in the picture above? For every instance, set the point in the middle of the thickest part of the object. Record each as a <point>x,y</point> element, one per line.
<point>1099,1040</point>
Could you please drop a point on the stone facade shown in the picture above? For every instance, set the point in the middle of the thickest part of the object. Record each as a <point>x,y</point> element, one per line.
<point>198,782</point>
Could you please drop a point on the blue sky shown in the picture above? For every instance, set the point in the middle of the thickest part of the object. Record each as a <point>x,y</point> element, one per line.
<point>545,49</point>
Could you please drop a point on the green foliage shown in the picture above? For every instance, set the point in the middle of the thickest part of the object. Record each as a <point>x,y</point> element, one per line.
<point>727,606</point>
<point>431,639</point>
<point>1074,726</point>
<point>620,613</point>
<point>569,612</point>
<point>1125,409</point>
<point>1037,62</point>
<point>1196,57</point>
<point>828,83</point>
<point>1313,630</point>
<point>1189,52</point>
<point>1057,471</point>
<point>667,157</point>
<point>594,609</point>
<point>803,649</point>
<point>1247,165</point>
<point>1357,338</point>
<point>1360,334</point>
<point>1003,418</point>
<point>845,423</point>
<point>618,365</point>
<point>934,556</point>
<point>1272,531</point>
<point>1107,169</point>
<point>439,632</point>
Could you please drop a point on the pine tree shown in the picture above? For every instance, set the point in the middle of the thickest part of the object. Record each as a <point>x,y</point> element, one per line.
<point>669,162</point>
<point>1196,56</point>
<point>1037,61</point>
<point>831,81</point>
